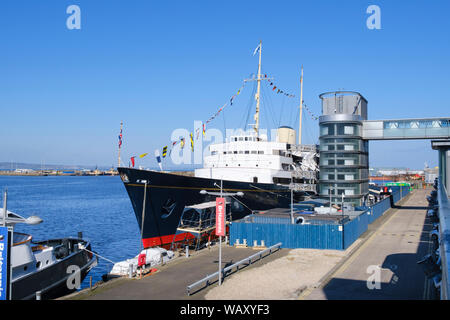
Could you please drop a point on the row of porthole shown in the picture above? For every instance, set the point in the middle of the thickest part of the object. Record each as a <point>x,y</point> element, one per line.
<point>38,264</point>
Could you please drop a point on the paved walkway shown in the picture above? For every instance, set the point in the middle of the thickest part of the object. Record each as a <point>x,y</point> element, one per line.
<point>171,282</point>
<point>385,266</point>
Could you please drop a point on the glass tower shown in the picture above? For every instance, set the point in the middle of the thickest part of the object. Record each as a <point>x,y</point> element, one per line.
<point>344,163</point>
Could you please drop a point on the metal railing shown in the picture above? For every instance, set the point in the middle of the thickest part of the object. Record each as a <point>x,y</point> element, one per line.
<point>207,280</point>
<point>444,245</point>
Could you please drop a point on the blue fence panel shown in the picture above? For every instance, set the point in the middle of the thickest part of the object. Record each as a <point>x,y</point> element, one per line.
<point>291,235</point>
<point>355,228</point>
<point>378,209</point>
<point>314,236</point>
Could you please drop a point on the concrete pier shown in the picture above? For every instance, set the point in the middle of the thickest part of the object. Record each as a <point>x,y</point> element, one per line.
<point>170,282</point>
<point>381,264</point>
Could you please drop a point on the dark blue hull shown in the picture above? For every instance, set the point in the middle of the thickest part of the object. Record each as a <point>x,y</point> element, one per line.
<point>167,194</point>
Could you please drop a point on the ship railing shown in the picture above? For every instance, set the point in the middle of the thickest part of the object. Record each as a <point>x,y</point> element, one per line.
<point>206,281</point>
<point>302,174</point>
<point>200,224</point>
<point>303,187</point>
<point>304,147</point>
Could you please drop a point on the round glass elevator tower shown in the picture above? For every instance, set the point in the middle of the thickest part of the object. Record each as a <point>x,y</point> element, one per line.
<point>344,163</point>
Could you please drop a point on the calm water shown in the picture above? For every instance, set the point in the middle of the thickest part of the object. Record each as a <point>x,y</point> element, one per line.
<point>97,206</point>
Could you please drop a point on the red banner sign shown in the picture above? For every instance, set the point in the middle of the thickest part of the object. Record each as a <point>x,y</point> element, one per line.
<point>220,216</point>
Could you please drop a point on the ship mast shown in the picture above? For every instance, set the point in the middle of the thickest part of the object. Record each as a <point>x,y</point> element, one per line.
<point>301,109</point>
<point>258,91</point>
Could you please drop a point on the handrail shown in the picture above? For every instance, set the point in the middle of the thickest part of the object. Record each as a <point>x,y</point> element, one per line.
<point>229,268</point>
<point>444,235</point>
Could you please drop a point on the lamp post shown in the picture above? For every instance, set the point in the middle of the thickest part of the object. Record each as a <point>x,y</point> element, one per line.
<point>220,201</point>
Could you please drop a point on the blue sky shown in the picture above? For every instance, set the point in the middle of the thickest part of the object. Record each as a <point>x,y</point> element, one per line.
<point>160,65</point>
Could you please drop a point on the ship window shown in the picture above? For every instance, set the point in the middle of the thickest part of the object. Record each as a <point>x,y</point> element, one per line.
<point>241,139</point>
<point>213,153</point>
<point>254,152</point>
<point>224,152</point>
<point>241,152</point>
<point>255,179</point>
<point>247,152</point>
<point>246,138</point>
<point>260,152</point>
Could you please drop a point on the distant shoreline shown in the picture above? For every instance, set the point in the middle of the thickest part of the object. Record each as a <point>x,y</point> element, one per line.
<point>58,173</point>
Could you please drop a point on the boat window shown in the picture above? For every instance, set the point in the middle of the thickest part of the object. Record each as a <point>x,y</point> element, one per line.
<point>255,179</point>
<point>213,153</point>
<point>241,152</point>
<point>235,152</point>
<point>260,152</point>
<point>247,152</point>
<point>246,138</point>
<point>241,139</point>
<point>254,152</point>
<point>235,139</point>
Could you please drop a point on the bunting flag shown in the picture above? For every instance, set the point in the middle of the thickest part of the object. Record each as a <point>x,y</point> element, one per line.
<point>204,132</point>
<point>164,153</point>
<point>197,132</point>
<point>132,161</point>
<point>192,141</point>
<point>182,142</point>
<point>257,49</point>
<point>158,159</point>
<point>313,116</point>
<point>173,145</point>
<point>279,91</point>
<point>120,138</point>
<point>143,155</point>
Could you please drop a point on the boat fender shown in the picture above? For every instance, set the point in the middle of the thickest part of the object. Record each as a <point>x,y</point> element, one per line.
<point>142,259</point>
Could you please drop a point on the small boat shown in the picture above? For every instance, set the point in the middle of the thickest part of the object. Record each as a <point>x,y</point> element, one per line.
<point>52,267</point>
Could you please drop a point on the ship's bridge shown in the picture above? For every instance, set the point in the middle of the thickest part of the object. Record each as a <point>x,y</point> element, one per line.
<point>248,158</point>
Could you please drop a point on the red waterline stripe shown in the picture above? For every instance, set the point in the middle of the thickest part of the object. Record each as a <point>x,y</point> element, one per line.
<point>167,240</point>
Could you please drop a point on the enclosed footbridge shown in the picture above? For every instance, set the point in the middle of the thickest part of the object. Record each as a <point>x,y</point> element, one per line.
<point>429,128</point>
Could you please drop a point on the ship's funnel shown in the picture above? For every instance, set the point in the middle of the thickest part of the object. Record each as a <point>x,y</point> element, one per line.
<point>286,135</point>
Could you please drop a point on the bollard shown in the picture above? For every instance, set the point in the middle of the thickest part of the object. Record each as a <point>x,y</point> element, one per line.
<point>130,271</point>
<point>38,295</point>
<point>187,251</point>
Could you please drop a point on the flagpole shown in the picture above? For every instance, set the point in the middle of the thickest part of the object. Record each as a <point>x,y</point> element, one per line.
<point>258,91</point>
<point>301,109</point>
